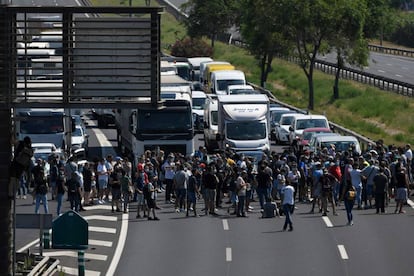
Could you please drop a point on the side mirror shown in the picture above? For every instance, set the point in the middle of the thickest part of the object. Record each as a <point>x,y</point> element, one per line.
<point>291,128</point>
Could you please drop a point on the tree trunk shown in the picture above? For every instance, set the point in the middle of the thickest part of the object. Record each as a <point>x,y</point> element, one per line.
<point>310,84</point>
<point>339,64</point>
<point>262,71</point>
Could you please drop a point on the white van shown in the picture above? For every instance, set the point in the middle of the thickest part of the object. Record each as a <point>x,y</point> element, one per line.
<point>211,122</point>
<point>300,123</point>
<point>221,79</point>
<point>341,143</point>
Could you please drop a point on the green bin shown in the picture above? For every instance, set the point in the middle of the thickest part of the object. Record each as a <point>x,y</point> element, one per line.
<point>70,231</point>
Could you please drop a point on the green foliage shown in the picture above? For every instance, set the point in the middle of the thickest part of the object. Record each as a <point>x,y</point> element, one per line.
<point>188,47</point>
<point>208,18</point>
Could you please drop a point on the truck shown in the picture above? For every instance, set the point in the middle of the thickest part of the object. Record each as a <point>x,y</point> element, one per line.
<point>243,122</point>
<point>168,128</point>
<point>44,126</point>
<point>221,79</point>
<point>210,122</point>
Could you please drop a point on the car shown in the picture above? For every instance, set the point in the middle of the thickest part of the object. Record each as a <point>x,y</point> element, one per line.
<point>44,151</point>
<point>274,119</point>
<point>80,140</point>
<point>79,121</point>
<point>282,128</point>
<point>299,123</point>
<point>341,143</point>
<point>308,133</point>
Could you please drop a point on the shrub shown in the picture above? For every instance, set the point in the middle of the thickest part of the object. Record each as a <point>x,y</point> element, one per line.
<point>191,47</point>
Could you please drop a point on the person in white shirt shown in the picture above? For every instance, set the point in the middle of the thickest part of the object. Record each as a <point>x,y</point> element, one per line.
<point>103,178</point>
<point>288,205</point>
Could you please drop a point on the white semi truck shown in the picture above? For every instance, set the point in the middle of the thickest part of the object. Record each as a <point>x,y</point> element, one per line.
<point>243,122</point>
<point>168,128</point>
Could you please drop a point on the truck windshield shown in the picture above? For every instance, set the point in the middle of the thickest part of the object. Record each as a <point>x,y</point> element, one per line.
<point>42,125</point>
<point>246,131</point>
<point>222,84</point>
<point>164,120</point>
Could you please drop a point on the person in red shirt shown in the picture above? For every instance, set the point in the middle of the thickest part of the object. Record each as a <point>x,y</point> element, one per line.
<point>335,170</point>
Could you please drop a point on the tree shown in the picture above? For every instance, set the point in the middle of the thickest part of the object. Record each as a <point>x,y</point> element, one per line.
<point>262,32</point>
<point>208,18</point>
<point>379,19</point>
<point>348,41</point>
<point>309,25</point>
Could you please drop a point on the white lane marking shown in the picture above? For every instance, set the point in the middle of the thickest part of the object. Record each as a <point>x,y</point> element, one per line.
<point>342,251</point>
<point>102,229</point>
<point>74,271</point>
<point>120,246</point>
<point>398,76</point>
<point>389,64</point>
<point>228,254</point>
<point>27,246</point>
<point>225,225</point>
<point>381,71</point>
<point>100,243</point>
<point>327,221</point>
<point>411,203</point>
<point>101,138</point>
<point>74,254</point>
<point>105,218</point>
<point>98,207</point>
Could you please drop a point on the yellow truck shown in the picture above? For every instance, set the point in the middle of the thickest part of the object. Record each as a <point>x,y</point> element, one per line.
<point>211,67</point>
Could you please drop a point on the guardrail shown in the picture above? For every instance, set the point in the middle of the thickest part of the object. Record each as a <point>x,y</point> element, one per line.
<point>390,50</point>
<point>363,141</point>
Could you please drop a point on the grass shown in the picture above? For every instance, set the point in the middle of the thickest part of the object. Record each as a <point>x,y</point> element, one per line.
<point>364,109</point>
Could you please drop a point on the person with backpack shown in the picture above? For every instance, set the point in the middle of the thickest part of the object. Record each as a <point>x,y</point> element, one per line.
<point>41,189</point>
<point>74,190</point>
<point>60,189</point>
<point>349,194</point>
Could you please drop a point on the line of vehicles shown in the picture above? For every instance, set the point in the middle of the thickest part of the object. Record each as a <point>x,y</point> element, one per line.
<point>198,94</point>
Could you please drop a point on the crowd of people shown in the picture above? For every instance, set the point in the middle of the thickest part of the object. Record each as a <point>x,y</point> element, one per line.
<point>279,180</point>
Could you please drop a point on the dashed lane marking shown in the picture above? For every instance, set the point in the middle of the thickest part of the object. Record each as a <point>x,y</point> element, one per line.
<point>411,203</point>
<point>342,251</point>
<point>327,221</point>
<point>228,254</point>
<point>225,225</point>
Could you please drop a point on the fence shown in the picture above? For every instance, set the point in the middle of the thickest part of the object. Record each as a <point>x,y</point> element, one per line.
<point>391,51</point>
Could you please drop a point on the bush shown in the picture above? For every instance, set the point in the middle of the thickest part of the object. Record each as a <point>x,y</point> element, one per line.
<point>191,47</point>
